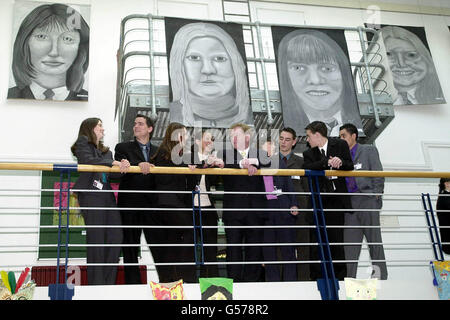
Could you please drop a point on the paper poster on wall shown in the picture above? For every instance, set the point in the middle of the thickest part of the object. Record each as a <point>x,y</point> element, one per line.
<point>50,52</point>
<point>207,72</point>
<point>315,79</point>
<point>411,65</point>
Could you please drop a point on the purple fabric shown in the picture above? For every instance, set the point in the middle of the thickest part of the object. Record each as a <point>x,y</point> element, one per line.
<point>351,181</point>
<point>268,183</point>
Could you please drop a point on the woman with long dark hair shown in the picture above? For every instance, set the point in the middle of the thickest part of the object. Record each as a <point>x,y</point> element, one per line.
<point>170,154</point>
<point>89,149</point>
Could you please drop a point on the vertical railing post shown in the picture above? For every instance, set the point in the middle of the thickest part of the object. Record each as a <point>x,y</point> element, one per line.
<point>198,245</point>
<point>438,254</point>
<point>328,285</point>
<point>61,291</point>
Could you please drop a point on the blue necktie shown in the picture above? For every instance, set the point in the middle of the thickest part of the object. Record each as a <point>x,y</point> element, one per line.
<point>145,152</point>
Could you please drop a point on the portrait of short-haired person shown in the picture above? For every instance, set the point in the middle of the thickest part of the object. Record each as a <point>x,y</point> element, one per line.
<point>51,55</point>
<point>413,71</point>
<point>315,80</point>
<point>365,157</point>
<point>208,78</point>
<point>329,154</point>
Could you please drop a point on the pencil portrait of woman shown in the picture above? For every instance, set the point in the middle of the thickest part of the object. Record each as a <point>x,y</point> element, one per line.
<point>51,55</point>
<point>208,78</point>
<point>315,81</point>
<point>412,68</point>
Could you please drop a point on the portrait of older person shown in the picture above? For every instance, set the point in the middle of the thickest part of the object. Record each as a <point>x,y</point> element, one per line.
<point>315,79</point>
<point>208,77</point>
<point>412,68</point>
<point>50,54</point>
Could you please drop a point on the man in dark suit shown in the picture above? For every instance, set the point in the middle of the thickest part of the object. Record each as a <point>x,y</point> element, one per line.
<point>329,154</point>
<point>243,155</point>
<point>137,152</point>
<point>288,140</point>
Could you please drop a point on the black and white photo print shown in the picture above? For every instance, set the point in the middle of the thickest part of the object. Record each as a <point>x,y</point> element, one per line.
<point>207,70</point>
<point>50,55</point>
<point>315,79</point>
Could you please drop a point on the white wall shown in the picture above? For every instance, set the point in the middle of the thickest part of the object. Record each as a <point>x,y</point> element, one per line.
<point>417,139</point>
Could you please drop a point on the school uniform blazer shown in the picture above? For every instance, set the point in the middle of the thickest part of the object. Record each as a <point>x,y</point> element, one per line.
<point>313,160</point>
<point>87,153</point>
<point>171,182</point>
<point>242,183</point>
<point>300,185</point>
<point>132,151</point>
<point>285,184</point>
<point>194,179</point>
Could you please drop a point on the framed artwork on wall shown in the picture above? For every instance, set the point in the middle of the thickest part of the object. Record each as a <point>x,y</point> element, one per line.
<point>50,52</point>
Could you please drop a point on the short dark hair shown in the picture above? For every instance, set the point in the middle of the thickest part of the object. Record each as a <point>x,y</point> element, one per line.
<point>351,128</point>
<point>149,122</point>
<point>318,126</point>
<point>290,130</point>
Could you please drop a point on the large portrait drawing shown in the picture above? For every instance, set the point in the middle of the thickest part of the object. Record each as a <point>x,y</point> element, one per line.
<point>315,79</point>
<point>207,69</point>
<point>50,55</point>
<point>412,68</point>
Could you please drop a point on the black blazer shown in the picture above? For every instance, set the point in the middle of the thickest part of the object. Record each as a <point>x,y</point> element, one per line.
<point>242,183</point>
<point>194,179</point>
<point>314,160</point>
<point>26,93</point>
<point>285,184</point>
<point>131,151</point>
<point>87,153</point>
<point>171,182</point>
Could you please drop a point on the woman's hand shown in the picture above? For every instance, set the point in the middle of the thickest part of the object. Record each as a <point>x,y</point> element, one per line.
<point>124,165</point>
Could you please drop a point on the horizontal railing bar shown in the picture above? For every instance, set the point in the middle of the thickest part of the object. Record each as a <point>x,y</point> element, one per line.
<point>224,171</point>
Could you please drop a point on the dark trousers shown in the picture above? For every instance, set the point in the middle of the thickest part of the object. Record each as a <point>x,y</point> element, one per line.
<point>132,236</point>
<point>287,271</point>
<point>101,275</point>
<point>244,272</point>
<point>208,218</point>
<point>335,235</point>
<point>174,254</point>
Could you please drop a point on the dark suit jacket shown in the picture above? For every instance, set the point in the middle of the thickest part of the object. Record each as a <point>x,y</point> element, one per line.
<point>88,153</point>
<point>26,93</point>
<point>313,160</point>
<point>194,179</point>
<point>171,182</point>
<point>285,184</point>
<point>241,183</point>
<point>135,181</point>
<point>301,184</point>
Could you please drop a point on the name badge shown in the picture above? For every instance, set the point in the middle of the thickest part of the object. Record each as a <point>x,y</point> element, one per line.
<point>358,166</point>
<point>295,177</point>
<point>278,192</point>
<point>97,184</point>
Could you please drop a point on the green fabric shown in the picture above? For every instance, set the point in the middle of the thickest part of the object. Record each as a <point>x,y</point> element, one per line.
<point>205,283</point>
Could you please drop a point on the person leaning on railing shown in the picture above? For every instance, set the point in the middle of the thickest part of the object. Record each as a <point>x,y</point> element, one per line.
<point>204,156</point>
<point>89,149</point>
<point>171,154</point>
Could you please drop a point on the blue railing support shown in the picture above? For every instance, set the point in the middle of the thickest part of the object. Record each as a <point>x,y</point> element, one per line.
<point>328,285</point>
<point>61,291</point>
<point>198,245</point>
